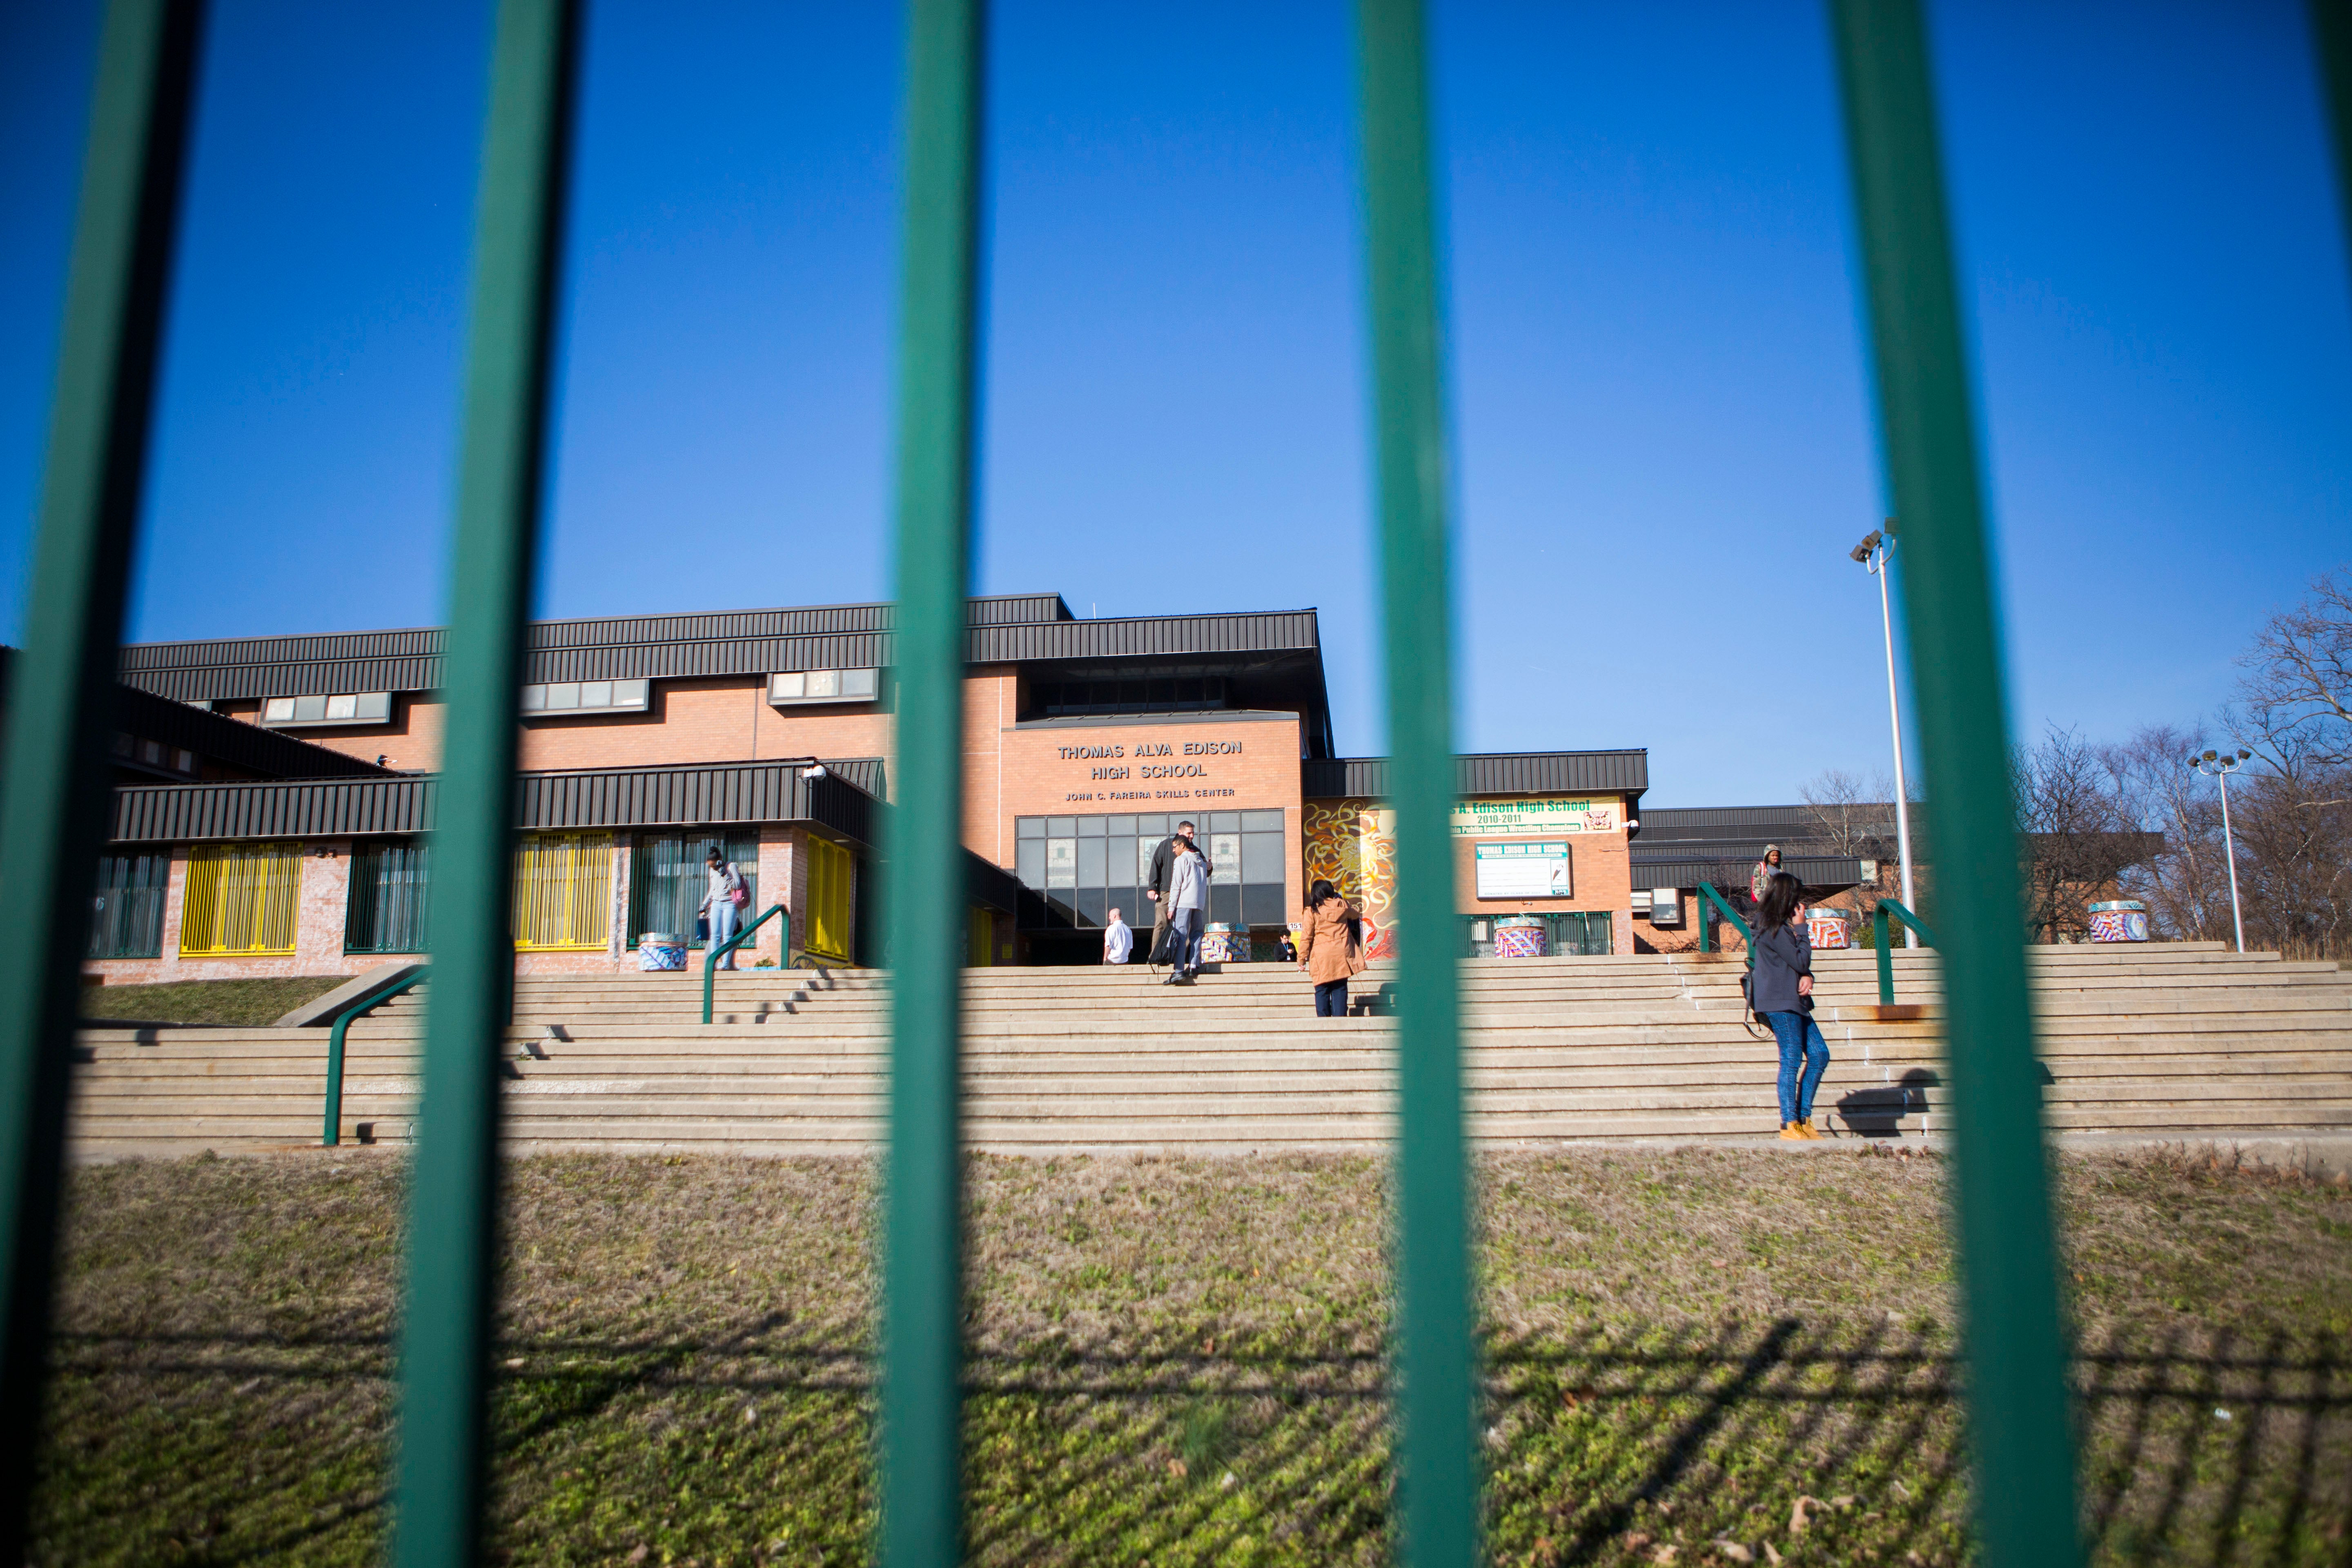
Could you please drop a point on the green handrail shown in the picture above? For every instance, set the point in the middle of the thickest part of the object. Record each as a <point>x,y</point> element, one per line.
<point>1884,933</point>
<point>332,1134</point>
<point>711,960</point>
<point>1707,895</point>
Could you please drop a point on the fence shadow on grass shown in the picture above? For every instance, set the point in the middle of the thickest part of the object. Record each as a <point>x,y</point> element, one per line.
<point>2200,1445</point>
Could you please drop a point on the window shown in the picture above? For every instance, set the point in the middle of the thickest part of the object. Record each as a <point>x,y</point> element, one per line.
<point>1087,866</point>
<point>832,887</point>
<point>126,917</point>
<point>386,910</point>
<point>1178,694</point>
<point>240,898</point>
<point>667,878</point>
<point>346,707</point>
<point>793,688</point>
<point>563,892</point>
<point>565,699</point>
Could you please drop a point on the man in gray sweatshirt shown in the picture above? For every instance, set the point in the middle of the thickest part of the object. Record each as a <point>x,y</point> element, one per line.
<point>1188,901</point>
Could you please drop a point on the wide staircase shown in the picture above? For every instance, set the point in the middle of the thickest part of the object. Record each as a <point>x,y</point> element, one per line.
<point>2181,1040</point>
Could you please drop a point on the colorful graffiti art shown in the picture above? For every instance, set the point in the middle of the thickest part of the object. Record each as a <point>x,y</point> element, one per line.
<point>1352,844</point>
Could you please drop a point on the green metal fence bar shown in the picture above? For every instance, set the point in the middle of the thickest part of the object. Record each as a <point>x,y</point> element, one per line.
<point>452,1230</point>
<point>1435,1351</point>
<point>2331,37</point>
<point>922,1265</point>
<point>331,1134</point>
<point>54,798</point>
<point>711,960</point>
<point>1884,933</point>
<point>2020,1424</point>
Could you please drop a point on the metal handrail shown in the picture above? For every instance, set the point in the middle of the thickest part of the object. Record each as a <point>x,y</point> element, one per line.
<point>1707,895</point>
<point>711,959</point>
<point>1884,932</point>
<point>332,1135</point>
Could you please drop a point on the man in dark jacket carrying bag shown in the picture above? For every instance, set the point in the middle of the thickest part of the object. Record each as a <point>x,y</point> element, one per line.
<point>1163,861</point>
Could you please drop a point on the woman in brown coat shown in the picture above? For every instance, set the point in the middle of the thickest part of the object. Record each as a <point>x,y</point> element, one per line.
<point>1330,948</point>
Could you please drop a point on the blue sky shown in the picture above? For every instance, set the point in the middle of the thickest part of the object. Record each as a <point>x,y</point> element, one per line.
<point>1662,418</point>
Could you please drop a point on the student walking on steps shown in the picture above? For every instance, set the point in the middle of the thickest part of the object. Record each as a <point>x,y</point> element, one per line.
<point>1330,948</point>
<point>1781,993</point>
<point>722,904</point>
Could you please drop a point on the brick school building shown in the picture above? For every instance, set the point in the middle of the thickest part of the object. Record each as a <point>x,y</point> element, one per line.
<point>275,795</point>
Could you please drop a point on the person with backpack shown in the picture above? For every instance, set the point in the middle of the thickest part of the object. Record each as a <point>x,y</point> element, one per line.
<point>1780,993</point>
<point>722,903</point>
<point>1762,873</point>
<point>1330,947</point>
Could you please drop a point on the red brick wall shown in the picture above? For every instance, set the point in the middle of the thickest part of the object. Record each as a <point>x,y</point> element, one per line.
<point>1600,875</point>
<point>1040,780</point>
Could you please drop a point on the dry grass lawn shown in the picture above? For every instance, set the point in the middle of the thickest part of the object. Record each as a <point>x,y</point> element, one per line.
<point>252,1002</point>
<point>1693,1357</point>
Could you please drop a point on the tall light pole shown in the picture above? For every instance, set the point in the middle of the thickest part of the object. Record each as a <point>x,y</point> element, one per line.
<point>1871,553</point>
<point>2214,766</point>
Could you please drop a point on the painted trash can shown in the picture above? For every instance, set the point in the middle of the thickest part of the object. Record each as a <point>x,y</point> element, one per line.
<point>1521,936</point>
<point>2119,920</point>
<point>661,950</point>
<point>1224,942</point>
<point>1830,929</point>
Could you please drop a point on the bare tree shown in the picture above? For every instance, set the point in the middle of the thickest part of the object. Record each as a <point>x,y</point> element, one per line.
<point>2184,882</point>
<point>2294,710</point>
<point>2077,839</point>
<point>1848,817</point>
<point>2296,695</point>
<point>2295,859</point>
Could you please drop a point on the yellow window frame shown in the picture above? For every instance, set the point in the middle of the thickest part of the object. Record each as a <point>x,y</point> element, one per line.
<point>563,892</point>
<point>241,900</point>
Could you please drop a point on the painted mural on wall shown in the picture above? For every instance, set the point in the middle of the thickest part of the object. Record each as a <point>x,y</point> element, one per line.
<point>1353,844</point>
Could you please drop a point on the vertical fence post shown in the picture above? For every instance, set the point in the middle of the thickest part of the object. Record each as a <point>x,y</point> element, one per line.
<point>922,1308</point>
<point>1437,1480</point>
<point>453,1217</point>
<point>2331,38</point>
<point>2020,1422</point>
<point>54,800</point>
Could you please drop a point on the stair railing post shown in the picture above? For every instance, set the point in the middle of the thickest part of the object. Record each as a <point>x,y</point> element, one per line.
<point>54,799</point>
<point>1438,1393</point>
<point>2020,1420</point>
<point>1883,933</point>
<point>442,1456</point>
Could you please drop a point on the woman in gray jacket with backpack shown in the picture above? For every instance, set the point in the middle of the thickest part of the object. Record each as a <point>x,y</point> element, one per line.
<point>1781,992</point>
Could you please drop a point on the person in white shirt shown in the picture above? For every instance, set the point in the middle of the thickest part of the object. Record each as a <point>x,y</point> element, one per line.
<point>1119,939</point>
<point>718,903</point>
<point>1188,898</point>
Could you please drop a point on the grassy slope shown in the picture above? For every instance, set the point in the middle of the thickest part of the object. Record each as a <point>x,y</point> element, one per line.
<point>1178,1362</point>
<point>247,1002</point>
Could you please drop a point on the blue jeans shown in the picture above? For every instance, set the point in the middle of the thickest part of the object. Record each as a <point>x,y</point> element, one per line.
<point>1799,1037</point>
<point>722,927</point>
<point>1331,999</point>
<point>1187,956</point>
